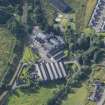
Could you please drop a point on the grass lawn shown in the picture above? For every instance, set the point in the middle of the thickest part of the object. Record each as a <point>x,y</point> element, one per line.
<point>34,98</point>
<point>77,98</point>
<point>7,43</point>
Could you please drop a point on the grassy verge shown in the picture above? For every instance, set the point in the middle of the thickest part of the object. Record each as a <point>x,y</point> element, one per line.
<point>89,10</point>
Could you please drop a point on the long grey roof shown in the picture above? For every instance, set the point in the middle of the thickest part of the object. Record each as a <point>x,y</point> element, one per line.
<point>43,71</point>
<point>58,70</point>
<point>39,71</point>
<point>62,69</point>
<point>49,71</point>
<point>54,71</point>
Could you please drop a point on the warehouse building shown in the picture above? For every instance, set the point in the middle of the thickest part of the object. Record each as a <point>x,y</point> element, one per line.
<point>50,71</point>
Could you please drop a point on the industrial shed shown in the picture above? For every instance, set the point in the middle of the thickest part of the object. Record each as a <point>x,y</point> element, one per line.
<point>50,71</point>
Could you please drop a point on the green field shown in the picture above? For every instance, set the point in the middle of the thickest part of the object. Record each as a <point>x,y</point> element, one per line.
<point>7,42</point>
<point>79,97</point>
<point>39,97</point>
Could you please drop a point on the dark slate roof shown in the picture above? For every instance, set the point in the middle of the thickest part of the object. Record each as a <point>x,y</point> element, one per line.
<point>60,5</point>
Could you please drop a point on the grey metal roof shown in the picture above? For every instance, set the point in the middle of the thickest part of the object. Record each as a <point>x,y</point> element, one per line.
<point>62,69</point>
<point>39,72</point>
<point>54,71</point>
<point>49,71</point>
<point>43,71</point>
<point>58,70</point>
